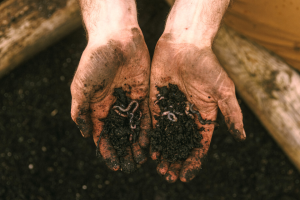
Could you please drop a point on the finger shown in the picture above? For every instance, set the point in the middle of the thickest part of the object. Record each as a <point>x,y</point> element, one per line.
<point>108,152</point>
<point>154,154</point>
<point>80,113</point>
<point>233,116</point>
<point>162,167</point>
<point>138,154</point>
<point>153,103</point>
<point>154,109</point>
<point>192,164</point>
<point>145,124</point>
<point>127,162</point>
<point>173,172</point>
<point>80,109</point>
<point>86,82</point>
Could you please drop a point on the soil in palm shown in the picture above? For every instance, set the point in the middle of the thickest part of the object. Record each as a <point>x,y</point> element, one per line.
<point>176,132</point>
<point>122,125</point>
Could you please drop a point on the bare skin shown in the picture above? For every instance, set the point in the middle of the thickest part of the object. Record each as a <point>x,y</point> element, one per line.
<point>183,56</point>
<point>116,56</point>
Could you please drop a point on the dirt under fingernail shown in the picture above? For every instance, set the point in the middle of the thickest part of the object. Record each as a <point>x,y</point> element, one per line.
<point>175,135</point>
<point>127,165</point>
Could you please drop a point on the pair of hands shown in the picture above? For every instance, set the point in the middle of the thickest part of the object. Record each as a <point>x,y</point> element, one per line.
<point>120,58</point>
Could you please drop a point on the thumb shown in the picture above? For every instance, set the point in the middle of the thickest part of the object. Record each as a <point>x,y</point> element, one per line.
<point>80,111</point>
<point>233,116</point>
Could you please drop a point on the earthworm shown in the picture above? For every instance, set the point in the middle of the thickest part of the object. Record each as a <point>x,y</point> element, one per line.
<point>122,115</point>
<point>133,127</point>
<point>131,118</point>
<point>165,113</point>
<point>156,101</point>
<point>187,108</point>
<point>201,120</point>
<point>136,107</point>
<point>173,118</point>
<point>130,137</point>
<point>178,113</point>
<point>130,121</point>
<point>128,107</point>
<point>189,114</point>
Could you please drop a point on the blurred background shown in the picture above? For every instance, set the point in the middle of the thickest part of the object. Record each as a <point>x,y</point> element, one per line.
<point>43,156</point>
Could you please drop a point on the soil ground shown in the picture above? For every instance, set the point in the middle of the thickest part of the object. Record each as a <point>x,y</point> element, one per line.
<point>43,156</point>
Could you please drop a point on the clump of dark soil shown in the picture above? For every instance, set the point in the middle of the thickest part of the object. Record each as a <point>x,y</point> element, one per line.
<point>122,124</point>
<point>176,133</point>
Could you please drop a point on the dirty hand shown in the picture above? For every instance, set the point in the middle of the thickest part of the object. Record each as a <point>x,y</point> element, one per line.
<point>116,56</point>
<point>183,56</point>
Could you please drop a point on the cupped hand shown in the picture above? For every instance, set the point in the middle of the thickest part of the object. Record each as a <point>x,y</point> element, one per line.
<point>198,74</point>
<point>119,59</point>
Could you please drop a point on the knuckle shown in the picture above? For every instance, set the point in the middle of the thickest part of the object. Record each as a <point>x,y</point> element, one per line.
<point>226,89</point>
<point>231,84</point>
<point>73,88</point>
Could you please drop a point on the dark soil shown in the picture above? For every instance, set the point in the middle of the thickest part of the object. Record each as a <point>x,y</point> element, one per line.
<point>43,155</point>
<point>122,129</point>
<point>174,138</point>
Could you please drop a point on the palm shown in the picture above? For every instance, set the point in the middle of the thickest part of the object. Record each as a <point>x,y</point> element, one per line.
<point>199,76</point>
<point>122,63</point>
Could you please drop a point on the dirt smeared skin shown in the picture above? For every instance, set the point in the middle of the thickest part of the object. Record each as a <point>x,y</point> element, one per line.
<point>236,133</point>
<point>192,168</point>
<point>118,129</point>
<point>207,87</point>
<point>122,62</point>
<point>83,126</point>
<point>174,140</point>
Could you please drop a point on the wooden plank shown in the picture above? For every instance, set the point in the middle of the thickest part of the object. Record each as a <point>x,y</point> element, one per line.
<point>27,27</point>
<point>269,86</point>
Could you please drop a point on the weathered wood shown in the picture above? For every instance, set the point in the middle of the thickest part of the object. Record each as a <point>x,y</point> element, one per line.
<point>27,27</point>
<point>269,86</point>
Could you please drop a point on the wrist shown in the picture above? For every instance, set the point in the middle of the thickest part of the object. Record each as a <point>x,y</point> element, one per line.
<point>103,18</point>
<point>195,21</point>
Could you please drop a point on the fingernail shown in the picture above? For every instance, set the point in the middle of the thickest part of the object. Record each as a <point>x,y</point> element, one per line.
<point>112,164</point>
<point>170,179</point>
<point>244,134</point>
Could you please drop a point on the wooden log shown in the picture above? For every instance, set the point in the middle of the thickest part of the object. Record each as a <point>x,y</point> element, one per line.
<point>27,27</point>
<point>269,86</point>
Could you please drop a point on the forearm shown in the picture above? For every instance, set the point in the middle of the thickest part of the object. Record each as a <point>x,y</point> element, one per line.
<point>104,16</point>
<point>196,21</point>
